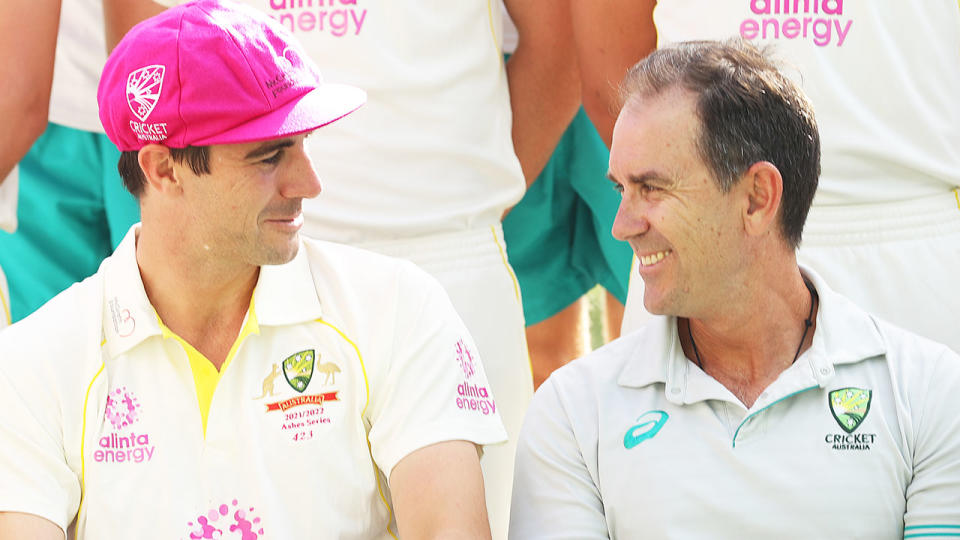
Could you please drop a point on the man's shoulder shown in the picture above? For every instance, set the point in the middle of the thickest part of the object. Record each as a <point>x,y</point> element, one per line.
<point>59,332</point>
<point>345,264</point>
<point>909,351</point>
<point>599,373</point>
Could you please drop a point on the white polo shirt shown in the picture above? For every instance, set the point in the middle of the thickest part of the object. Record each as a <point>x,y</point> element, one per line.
<point>347,362</point>
<point>860,438</point>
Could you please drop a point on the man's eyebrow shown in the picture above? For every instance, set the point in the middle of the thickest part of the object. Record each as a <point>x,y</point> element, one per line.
<point>268,148</point>
<point>648,176</point>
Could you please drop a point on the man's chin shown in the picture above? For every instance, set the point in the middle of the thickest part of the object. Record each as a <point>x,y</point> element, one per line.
<point>281,254</point>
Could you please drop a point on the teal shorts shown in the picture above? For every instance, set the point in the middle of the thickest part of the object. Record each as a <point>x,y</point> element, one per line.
<point>72,211</point>
<point>558,236</point>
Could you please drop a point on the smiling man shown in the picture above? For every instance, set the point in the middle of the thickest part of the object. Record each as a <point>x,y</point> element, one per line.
<point>759,403</point>
<point>218,375</point>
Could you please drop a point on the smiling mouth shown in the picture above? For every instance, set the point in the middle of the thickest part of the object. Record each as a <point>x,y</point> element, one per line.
<point>654,258</point>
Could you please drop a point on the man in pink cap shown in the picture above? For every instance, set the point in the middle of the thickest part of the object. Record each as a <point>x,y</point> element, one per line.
<point>218,374</point>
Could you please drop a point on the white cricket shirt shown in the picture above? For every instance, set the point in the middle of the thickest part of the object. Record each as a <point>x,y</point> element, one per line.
<point>858,439</point>
<point>347,362</point>
<point>883,76</point>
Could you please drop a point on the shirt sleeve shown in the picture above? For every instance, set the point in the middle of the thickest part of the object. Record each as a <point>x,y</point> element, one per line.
<point>554,493</point>
<point>933,495</point>
<point>34,475</point>
<point>434,388</point>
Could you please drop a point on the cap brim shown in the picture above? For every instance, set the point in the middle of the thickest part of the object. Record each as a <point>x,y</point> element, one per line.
<point>319,107</point>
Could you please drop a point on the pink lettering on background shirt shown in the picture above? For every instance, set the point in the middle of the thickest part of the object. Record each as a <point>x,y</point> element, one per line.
<point>337,18</point>
<point>821,22</point>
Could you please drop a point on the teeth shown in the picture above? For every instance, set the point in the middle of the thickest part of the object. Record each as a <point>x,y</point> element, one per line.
<point>654,258</point>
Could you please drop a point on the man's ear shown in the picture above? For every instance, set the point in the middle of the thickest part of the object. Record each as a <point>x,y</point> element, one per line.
<point>158,168</point>
<point>763,188</point>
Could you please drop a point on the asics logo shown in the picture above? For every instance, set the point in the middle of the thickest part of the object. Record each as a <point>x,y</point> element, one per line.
<point>647,426</point>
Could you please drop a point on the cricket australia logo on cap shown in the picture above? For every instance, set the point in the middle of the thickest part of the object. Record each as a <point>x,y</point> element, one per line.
<point>143,90</point>
<point>849,407</point>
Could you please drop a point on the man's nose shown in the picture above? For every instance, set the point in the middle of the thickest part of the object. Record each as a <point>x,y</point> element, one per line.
<point>631,219</point>
<point>303,181</point>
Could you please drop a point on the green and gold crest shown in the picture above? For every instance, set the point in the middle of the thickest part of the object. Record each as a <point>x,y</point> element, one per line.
<point>850,406</point>
<point>298,369</point>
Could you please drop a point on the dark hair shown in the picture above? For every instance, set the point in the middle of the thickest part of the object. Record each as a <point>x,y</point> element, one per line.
<point>197,157</point>
<point>748,111</point>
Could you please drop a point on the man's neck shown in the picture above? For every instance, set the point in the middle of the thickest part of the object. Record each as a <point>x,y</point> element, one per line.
<point>749,343</point>
<point>202,302</point>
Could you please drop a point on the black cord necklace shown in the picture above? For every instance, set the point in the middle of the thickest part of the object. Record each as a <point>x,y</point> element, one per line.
<point>806,327</point>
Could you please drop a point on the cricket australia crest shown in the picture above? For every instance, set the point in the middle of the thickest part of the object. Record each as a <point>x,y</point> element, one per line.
<point>850,406</point>
<point>143,90</point>
<point>298,369</point>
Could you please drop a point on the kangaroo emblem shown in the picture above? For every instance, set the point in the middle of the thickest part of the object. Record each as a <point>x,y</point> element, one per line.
<point>330,370</point>
<point>268,382</point>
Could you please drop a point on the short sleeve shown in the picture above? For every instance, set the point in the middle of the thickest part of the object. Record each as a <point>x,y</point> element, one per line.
<point>34,475</point>
<point>933,495</point>
<point>435,388</point>
<point>554,494</point>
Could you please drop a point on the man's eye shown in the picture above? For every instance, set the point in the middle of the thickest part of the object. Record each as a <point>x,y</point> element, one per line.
<point>274,159</point>
<point>618,188</point>
<point>647,188</point>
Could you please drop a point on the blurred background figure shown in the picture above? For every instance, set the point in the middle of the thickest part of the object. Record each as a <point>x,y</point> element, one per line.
<point>71,209</point>
<point>558,235</point>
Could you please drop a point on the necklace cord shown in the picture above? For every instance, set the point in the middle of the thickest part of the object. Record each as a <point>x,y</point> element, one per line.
<point>807,323</point>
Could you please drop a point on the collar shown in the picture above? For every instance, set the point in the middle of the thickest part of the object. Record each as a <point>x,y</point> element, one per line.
<point>844,334</point>
<point>285,294</point>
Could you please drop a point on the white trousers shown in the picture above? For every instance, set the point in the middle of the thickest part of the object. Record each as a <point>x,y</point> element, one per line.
<point>899,261</point>
<point>472,266</point>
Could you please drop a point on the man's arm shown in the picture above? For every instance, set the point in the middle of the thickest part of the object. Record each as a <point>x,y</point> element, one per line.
<point>611,36</point>
<point>28,43</point>
<point>438,493</point>
<point>16,526</point>
<point>933,493</point>
<point>119,16</point>
<point>544,85</point>
<point>555,494</point>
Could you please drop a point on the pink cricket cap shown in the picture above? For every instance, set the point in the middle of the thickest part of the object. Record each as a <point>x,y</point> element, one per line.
<point>214,72</point>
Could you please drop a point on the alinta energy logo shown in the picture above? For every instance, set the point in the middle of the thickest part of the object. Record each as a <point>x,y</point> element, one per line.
<point>123,445</point>
<point>819,21</point>
<point>471,396</point>
<point>144,86</point>
<point>337,18</point>
<point>849,407</point>
<point>646,427</point>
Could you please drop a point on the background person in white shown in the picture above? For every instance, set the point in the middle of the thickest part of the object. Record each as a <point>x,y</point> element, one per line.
<point>214,219</point>
<point>760,404</point>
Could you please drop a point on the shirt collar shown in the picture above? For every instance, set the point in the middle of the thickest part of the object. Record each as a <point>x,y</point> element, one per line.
<point>128,317</point>
<point>285,294</point>
<point>844,334</point>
